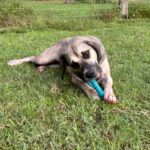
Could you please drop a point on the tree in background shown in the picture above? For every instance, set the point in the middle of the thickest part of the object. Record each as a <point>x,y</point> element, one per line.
<point>69,1</point>
<point>124,8</point>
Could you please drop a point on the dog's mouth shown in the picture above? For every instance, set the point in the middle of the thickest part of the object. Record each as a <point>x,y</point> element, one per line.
<point>81,76</point>
<point>97,77</point>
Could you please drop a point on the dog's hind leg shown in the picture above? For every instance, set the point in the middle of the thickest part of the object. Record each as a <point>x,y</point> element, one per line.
<point>20,61</point>
<point>48,57</point>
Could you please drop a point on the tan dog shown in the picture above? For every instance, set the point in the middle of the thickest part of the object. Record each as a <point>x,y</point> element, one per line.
<point>84,57</point>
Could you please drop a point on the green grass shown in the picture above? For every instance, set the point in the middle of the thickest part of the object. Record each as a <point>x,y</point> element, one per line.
<point>39,111</point>
<point>63,10</point>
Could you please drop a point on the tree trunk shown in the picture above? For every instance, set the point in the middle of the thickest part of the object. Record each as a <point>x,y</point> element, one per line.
<point>69,1</point>
<point>124,8</point>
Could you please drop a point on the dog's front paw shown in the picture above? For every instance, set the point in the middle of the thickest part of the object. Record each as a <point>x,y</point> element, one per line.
<point>92,94</point>
<point>109,96</point>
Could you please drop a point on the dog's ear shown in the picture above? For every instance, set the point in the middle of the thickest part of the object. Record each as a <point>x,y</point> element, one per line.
<point>92,41</point>
<point>63,64</point>
<point>97,45</point>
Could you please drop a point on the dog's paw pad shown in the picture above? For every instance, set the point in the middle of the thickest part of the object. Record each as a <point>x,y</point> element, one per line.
<point>40,69</point>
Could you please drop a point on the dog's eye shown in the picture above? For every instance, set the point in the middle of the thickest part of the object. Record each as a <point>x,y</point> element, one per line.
<point>75,65</point>
<point>86,54</point>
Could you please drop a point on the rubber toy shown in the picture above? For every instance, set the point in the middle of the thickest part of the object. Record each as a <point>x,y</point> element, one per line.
<point>95,85</point>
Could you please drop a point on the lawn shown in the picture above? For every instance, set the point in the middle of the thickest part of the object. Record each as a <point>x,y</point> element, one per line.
<point>40,111</point>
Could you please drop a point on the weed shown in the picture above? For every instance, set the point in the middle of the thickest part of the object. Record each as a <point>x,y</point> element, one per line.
<point>139,10</point>
<point>106,15</point>
<point>15,14</point>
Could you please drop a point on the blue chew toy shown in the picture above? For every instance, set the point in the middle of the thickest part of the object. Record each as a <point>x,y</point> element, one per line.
<point>95,85</point>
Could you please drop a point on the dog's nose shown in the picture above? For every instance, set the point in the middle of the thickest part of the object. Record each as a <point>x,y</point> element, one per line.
<point>90,74</point>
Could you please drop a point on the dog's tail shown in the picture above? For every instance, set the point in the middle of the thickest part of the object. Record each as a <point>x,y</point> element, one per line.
<point>20,61</point>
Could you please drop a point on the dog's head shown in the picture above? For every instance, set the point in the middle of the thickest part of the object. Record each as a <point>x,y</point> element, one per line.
<point>83,56</point>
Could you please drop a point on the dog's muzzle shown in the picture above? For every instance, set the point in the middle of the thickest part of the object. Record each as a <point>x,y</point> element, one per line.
<point>92,71</point>
<point>90,74</point>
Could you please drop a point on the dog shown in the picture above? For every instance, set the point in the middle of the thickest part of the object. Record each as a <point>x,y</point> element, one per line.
<point>83,57</point>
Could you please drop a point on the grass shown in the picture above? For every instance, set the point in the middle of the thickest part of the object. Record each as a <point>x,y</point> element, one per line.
<point>15,14</point>
<point>58,16</point>
<point>39,111</point>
